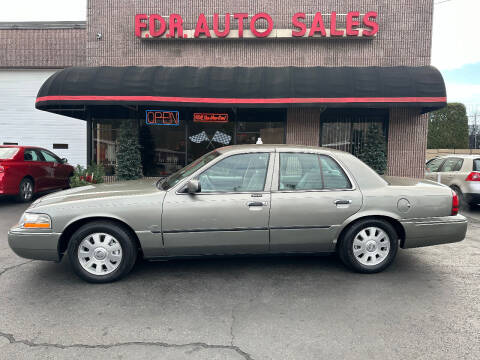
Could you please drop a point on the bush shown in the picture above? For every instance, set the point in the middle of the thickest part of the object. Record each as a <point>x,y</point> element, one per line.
<point>374,151</point>
<point>129,160</point>
<point>92,175</point>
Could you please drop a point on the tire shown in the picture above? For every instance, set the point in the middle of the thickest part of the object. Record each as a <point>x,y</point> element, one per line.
<point>372,237</point>
<point>25,193</point>
<point>102,252</point>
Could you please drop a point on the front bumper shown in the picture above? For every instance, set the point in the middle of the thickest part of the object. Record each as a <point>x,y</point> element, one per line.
<point>434,231</point>
<point>38,246</point>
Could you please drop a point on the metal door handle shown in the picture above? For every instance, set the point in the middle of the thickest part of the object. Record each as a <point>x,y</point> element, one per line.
<point>342,202</point>
<point>255,203</point>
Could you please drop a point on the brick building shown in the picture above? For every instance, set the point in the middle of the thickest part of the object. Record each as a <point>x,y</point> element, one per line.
<point>347,37</point>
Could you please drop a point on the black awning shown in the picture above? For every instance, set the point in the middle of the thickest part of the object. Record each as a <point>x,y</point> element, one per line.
<point>379,87</point>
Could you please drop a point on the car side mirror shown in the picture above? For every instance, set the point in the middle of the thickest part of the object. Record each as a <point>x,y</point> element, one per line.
<point>64,161</point>
<point>193,186</point>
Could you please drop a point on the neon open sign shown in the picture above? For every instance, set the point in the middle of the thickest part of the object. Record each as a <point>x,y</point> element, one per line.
<point>162,117</point>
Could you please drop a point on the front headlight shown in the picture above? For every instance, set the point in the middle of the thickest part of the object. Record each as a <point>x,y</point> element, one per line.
<point>35,221</point>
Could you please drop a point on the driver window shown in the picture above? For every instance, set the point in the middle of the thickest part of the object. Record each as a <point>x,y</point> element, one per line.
<point>237,173</point>
<point>434,164</point>
<point>48,157</point>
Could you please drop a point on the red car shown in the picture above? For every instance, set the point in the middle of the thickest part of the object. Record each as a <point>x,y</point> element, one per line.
<point>26,170</point>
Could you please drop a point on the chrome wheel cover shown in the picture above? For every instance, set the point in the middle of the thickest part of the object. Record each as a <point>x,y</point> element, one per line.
<point>27,190</point>
<point>100,254</point>
<point>371,246</point>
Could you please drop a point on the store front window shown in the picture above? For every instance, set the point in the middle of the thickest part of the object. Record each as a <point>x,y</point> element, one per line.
<point>269,125</point>
<point>166,147</point>
<point>346,130</point>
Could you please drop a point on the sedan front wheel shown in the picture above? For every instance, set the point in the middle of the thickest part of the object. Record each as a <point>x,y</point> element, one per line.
<point>102,252</point>
<point>369,246</point>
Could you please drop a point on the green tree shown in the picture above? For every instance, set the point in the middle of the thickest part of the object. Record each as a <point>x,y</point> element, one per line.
<point>129,161</point>
<point>448,128</point>
<point>374,149</point>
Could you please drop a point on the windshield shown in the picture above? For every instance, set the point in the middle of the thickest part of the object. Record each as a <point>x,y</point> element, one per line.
<point>173,179</point>
<point>7,153</point>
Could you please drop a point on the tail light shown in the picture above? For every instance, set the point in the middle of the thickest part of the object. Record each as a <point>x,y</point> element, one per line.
<point>2,169</point>
<point>473,176</point>
<point>455,203</point>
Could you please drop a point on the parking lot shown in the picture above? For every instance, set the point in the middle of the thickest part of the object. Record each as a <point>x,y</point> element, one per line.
<point>425,306</point>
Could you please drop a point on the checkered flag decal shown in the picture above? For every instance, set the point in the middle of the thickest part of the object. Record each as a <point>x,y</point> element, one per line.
<point>221,138</point>
<point>197,139</point>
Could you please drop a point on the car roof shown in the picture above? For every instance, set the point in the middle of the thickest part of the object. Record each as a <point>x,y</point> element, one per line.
<point>22,147</point>
<point>460,156</point>
<point>276,147</point>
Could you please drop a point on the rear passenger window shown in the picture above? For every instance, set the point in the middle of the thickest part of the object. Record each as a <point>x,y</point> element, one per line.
<point>333,175</point>
<point>31,155</point>
<point>450,165</point>
<point>300,171</point>
<point>459,165</point>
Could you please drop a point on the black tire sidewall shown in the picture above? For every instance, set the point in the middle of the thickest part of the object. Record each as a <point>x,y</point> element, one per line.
<point>129,251</point>
<point>20,190</point>
<point>346,246</point>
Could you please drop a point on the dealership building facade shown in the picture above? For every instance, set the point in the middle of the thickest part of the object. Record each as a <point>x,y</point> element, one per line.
<point>193,76</point>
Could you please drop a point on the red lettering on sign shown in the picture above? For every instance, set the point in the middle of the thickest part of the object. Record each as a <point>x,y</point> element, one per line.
<point>302,28</point>
<point>154,18</point>
<point>351,23</point>
<point>369,21</point>
<point>225,32</point>
<point>139,24</point>
<point>333,25</point>
<point>176,25</point>
<point>266,32</point>
<point>240,17</point>
<point>317,25</point>
<point>202,27</point>
<point>209,117</point>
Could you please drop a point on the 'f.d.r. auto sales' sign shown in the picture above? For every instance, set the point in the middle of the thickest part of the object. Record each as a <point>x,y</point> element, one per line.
<point>241,25</point>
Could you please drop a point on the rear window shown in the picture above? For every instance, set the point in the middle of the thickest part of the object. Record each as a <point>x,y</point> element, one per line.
<point>7,153</point>
<point>476,165</point>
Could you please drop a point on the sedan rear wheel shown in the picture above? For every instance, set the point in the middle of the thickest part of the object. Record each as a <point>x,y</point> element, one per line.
<point>102,252</point>
<point>26,190</point>
<point>369,246</point>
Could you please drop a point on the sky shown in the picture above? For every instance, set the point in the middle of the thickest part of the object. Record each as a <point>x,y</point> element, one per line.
<point>455,48</point>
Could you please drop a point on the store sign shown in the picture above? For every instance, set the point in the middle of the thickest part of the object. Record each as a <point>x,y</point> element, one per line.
<point>210,118</point>
<point>242,25</point>
<point>162,117</point>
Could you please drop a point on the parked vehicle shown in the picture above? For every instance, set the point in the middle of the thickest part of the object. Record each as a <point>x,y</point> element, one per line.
<point>250,199</point>
<point>460,172</point>
<point>26,170</point>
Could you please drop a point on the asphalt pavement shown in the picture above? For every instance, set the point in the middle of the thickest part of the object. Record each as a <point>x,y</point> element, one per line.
<point>425,306</point>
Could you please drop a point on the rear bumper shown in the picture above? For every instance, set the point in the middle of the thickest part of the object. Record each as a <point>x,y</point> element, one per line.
<point>38,246</point>
<point>472,198</point>
<point>434,231</point>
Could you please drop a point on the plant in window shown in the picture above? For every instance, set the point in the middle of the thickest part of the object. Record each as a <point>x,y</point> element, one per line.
<point>129,160</point>
<point>374,150</point>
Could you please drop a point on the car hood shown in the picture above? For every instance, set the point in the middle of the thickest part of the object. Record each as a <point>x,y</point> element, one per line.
<point>99,191</point>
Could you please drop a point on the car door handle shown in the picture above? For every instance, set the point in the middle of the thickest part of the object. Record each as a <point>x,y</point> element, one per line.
<point>342,202</point>
<point>255,203</point>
